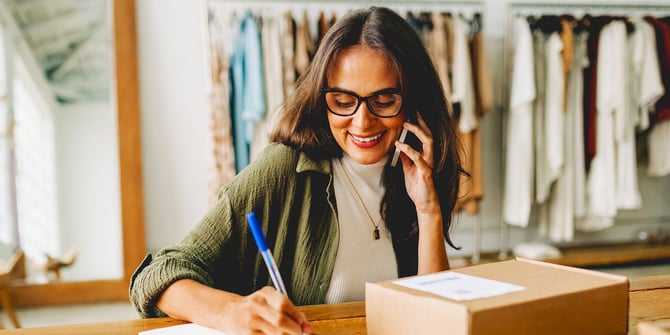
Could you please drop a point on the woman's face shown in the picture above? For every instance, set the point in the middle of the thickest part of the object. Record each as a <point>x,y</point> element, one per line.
<point>364,136</point>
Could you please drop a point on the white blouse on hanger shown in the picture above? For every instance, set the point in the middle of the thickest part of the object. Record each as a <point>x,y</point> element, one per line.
<point>519,162</point>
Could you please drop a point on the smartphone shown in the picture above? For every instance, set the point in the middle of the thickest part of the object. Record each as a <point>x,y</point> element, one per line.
<point>396,154</point>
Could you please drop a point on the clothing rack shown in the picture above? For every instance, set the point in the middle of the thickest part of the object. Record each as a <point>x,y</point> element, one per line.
<point>577,8</point>
<point>467,8</point>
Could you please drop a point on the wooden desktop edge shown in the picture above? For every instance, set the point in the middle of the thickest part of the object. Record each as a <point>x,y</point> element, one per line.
<point>344,313</point>
<point>354,311</point>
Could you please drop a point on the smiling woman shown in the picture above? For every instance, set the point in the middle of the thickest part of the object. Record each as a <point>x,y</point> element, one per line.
<point>96,198</point>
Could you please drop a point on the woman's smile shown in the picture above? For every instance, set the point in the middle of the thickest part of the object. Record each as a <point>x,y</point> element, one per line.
<point>367,141</point>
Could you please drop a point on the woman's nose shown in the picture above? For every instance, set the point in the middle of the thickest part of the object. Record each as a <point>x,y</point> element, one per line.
<point>363,118</point>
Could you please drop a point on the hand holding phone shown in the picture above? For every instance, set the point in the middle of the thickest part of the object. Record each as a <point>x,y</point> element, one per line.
<point>396,154</point>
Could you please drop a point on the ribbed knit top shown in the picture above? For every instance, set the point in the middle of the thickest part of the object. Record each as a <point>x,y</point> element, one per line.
<point>360,258</point>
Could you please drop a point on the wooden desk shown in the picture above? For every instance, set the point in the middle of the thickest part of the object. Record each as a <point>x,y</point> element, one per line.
<point>649,301</point>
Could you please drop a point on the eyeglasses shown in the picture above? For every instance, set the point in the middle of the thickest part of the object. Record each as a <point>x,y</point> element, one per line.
<point>385,103</point>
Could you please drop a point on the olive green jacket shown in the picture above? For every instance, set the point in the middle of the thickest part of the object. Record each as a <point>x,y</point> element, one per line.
<point>293,198</point>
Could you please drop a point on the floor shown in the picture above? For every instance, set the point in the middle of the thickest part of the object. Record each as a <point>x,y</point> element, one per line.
<point>47,316</point>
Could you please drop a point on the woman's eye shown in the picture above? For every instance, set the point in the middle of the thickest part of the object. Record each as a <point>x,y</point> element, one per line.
<point>384,101</point>
<point>345,103</point>
<point>384,104</point>
<point>345,100</point>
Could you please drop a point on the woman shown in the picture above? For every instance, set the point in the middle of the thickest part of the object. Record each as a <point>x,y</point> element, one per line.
<point>334,211</point>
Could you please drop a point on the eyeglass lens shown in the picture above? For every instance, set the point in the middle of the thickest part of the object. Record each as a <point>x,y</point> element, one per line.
<point>383,104</point>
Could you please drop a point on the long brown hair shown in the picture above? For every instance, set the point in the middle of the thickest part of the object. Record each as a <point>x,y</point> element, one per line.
<point>304,122</point>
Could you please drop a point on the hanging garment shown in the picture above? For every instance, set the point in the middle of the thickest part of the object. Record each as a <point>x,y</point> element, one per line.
<point>462,83</point>
<point>248,88</point>
<point>659,136</point>
<point>463,95</point>
<point>322,27</point>
<point>567,53</point>
<point>426,29</point>
<point>449,24</point>
<point>440,51</point>
<point>662,28</point>
<point>594,26</point>
<point>554,110</point>
<point>649,87</point>
<point>659,149</point>
<point>484,99</point>
<point>518,183</point>
<point>472,189</point>
<point>627,189</point>
<point>537,131</point>
<point>304,45</point>
<point>601,180</point>
<point>274,83</point>
<point>575,122</point>
<point>287,52</point>
<point>567,200</point>
<point>223,155</point>
<point>551,129</point>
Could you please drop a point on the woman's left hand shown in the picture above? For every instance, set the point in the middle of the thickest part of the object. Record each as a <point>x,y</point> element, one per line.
<point>418,167</point>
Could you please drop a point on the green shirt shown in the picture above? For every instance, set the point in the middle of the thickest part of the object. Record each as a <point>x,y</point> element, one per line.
<point>293,198</point>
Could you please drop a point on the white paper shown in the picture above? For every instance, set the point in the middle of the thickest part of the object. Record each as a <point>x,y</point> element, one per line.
<point>458,286</point>
<point>187,328</point>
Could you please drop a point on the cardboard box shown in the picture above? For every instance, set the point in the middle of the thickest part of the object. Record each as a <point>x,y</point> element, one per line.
<point>553,299</point>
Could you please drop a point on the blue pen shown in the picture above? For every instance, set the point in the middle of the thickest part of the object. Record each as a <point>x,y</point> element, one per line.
<point>265,252</point>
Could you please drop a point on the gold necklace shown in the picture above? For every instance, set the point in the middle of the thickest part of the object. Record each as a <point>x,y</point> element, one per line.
<point>375,233</point>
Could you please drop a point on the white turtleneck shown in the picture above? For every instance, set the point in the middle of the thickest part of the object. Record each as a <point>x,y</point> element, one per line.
<point>360,258</point>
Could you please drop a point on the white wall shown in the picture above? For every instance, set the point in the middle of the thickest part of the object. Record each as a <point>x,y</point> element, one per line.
<point>88,189</point>
<point>174,116</point>
<point>173,74</point>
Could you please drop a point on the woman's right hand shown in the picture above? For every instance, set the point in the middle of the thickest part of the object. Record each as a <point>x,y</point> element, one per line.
<point>265,311</point>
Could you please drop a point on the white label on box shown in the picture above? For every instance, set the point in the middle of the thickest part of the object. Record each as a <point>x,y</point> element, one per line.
<point>458,286</point>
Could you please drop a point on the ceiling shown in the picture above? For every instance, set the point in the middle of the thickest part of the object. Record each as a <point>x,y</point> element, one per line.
<point>71,41</point>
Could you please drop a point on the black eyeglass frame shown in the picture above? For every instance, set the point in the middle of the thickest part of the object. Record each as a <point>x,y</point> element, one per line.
<point>361,99</point>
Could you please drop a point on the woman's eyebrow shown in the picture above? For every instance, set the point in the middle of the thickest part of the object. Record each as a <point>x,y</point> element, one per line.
<point>383,90</point>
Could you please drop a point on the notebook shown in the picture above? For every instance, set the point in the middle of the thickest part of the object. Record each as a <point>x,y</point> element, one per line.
<point>188,328</point>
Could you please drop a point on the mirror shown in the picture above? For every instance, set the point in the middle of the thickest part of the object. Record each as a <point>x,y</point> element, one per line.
<point>131,245</point>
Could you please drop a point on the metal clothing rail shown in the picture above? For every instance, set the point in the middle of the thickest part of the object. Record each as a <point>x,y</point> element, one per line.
<point>443,3</point>
<point>580,8</point>
<point>591,4</point>
<point>466,8</point>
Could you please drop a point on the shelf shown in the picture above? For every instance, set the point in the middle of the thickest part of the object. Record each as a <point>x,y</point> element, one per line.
<point>594,256</point>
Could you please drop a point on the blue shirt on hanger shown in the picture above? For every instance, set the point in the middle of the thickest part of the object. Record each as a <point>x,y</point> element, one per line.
<point>248,91</point>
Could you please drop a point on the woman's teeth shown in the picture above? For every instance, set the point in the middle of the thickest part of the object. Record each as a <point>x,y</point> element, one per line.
<point>367,139</point>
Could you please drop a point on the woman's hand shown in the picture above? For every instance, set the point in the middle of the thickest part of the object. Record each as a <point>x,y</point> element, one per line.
<point>418,168</point>
<point>265,311</point>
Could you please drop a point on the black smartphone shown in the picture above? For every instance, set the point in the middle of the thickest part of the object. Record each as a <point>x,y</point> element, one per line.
<point>396,154</point>
<point>405,137</point>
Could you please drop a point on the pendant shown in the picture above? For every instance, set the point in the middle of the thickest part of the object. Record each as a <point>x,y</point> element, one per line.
<point>375,233</point>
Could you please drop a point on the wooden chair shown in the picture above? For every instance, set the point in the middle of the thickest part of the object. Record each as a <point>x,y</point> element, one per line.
<point>10,271</point>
